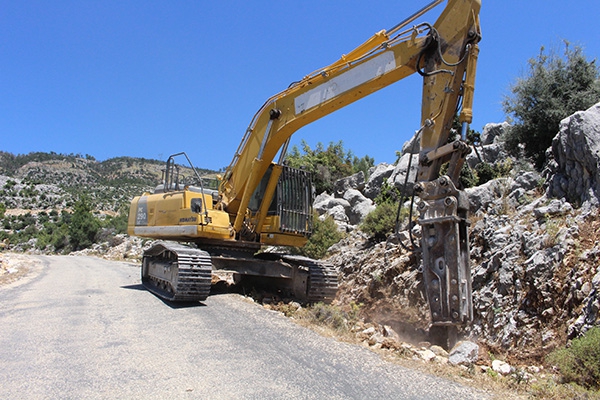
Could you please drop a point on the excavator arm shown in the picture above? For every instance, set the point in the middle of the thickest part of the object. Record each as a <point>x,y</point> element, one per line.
<point>440,52</point>
<point>445,55</point>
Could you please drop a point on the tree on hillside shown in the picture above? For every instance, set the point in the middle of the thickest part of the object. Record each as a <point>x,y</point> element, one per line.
<point>554,88</point>
<point>83,226</point>
<point>327,164</point>
<point>362,164</point>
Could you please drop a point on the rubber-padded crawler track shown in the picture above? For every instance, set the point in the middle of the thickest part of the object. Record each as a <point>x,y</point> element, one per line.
<point>192,278</point>
<point>323,282</point>
<point>322,279</point>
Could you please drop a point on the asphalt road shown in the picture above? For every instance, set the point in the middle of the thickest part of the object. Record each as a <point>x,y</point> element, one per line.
<point>84,328</point>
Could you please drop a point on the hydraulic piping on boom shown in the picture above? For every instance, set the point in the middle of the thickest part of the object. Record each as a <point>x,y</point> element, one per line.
<point>263,202</point>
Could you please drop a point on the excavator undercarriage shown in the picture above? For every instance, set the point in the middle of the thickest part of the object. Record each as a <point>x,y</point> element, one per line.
<point>175,272</point>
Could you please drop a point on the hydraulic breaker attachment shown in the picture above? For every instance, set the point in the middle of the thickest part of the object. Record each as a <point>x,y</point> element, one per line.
<point>445,247</point>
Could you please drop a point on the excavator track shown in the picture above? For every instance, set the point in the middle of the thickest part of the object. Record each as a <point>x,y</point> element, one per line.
<point>322,279</point>
<point>177,273</point>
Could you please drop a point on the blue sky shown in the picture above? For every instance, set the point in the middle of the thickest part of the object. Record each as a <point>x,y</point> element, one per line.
<point>151,78</point>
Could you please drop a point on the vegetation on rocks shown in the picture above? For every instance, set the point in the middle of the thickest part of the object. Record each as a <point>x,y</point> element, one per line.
<point>83,227</point>
<point>486,172</point>
<point>328,164</point>
<point>325,234</point>
<point>554,88</point>
<point>381,222</point>
<point>580,362</point>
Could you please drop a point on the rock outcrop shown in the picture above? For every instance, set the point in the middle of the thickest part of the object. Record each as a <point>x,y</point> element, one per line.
<point>534,251</point>
<point>576,165</point>
<point>491,148</point>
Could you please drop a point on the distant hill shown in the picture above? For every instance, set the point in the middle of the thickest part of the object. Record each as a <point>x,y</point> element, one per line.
<point>40,181</point>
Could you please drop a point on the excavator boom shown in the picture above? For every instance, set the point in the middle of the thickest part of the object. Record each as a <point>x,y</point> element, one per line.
<point>383,59</point>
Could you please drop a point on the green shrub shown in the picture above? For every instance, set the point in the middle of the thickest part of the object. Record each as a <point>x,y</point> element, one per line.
<point>325,234</point>
<point>60,239</point>
<point>486,171</point>
<point>468,177</point>
<point>503,168</point>
<point>580,363</point>
<point>118,223</point>
<point>328,164</point>
<point>388,193</point>
<point>380,222</point>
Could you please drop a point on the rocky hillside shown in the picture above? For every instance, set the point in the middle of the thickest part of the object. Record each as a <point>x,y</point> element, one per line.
<point>535,247</point>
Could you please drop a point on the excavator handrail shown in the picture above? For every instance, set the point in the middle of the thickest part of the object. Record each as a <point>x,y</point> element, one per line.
<point>167,184</point>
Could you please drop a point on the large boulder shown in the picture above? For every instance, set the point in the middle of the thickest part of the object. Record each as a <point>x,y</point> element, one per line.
<point>325,202</point>
<point>483,196</point>
<point>398,177</point>
<point>576,165</point>
<point>377,175</point>
<point>347,211</point>
<point>492,148</point>
<point>465,353</point>
<point>356,181</point>
<point>492,132</point>
<point>412,145</point>
<point>360,206</point>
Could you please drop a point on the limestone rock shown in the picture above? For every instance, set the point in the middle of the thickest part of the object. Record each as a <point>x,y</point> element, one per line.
<point>464,353</point>
<point>576,151</point>
<point>356,181</point>
<point>390,333</point>
<point>398,177</point>
<point>556,207</point>
<point>338,213</point>
<point>492,132</point>
<point>483,196</point>
<point>527,180</point>
<point>324,203</point>
<point>426,355</point>
<point>377,175</point>
<point>360,206</point>
<point>501,367</point>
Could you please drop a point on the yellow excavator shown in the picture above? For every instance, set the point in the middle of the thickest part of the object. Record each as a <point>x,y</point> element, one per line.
<point>260,202</point>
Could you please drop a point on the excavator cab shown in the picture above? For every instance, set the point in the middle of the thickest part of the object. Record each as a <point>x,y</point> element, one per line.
<point>281,207</point>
